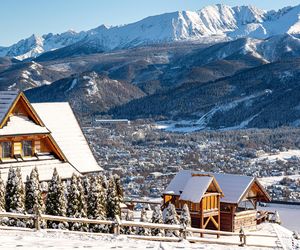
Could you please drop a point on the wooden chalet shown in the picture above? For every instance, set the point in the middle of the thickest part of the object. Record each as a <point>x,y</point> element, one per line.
<point>238,199</point>
<point>202,193</point>
<point>42,135</point>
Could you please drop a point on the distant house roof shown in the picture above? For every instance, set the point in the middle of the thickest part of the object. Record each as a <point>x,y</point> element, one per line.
<point>234,187</point>
<point>61,121</point>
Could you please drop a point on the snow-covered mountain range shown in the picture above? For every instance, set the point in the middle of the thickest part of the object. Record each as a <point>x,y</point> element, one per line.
<point>216,22</point>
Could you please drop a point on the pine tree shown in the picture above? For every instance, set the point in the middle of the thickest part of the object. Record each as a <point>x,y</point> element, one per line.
<point>33,197</point>
<point>157,218</point>
<point>171,218</point>
<point>185,218</point>
<point>2,195</point>
<point>15,196</point>
<point>119,188</point>
<point>96,204</point>
<point>113,203</point>
<point>3,221</point>
<point>56,202</point>
<point>144,218</point>
<point>104,181</point>
<point>86,182</point>
<point>76,203</point>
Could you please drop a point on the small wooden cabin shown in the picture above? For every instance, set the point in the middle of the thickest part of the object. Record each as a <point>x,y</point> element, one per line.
<point>237,196</point>
<point>202,194</point>
<point>41,135</point>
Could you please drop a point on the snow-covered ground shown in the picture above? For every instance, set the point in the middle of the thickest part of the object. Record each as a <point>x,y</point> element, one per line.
<point>268,181</point>
<point>285,155</point>
<point>43,240</point>
<point>13,239</point>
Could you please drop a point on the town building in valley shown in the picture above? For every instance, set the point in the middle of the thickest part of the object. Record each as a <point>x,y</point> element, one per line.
<point>42,135</point>
<point>234,198</point>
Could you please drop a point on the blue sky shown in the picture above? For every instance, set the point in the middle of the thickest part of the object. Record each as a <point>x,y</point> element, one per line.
<point>21,18</point>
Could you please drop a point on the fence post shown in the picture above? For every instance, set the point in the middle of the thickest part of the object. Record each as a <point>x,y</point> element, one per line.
<point>117,225</point>
<point>242,237</point>
<point>37,217</point>
<point>182,231</point>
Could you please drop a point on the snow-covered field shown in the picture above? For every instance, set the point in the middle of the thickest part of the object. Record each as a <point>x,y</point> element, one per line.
<point>268,181</point>
<point>281,155</point>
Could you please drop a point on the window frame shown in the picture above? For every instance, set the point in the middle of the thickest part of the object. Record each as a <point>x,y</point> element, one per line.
<point>23,147</point>
<point>11,147</point>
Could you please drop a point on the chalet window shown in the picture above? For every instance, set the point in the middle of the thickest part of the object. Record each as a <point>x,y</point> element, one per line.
<point>27,148</point>
<point>6,149</point>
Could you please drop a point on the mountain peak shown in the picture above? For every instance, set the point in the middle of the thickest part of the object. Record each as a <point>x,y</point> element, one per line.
<point>206,25</point>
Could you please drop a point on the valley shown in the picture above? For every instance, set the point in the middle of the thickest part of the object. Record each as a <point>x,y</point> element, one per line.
<point>147,158</point>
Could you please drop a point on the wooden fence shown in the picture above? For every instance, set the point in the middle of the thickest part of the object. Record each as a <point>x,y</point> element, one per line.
<point>184,232</point>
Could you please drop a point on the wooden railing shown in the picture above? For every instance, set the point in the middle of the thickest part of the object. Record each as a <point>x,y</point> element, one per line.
<point>117,225</point>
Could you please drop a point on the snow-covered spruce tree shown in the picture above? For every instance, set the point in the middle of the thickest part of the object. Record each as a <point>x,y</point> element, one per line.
<point>119,188</point>
<point>86,183</point>
<point>3,221</point>
<point>82,204</point>
<point>113,203</point>
<point>33,196</point>
<point>15,196</point>
<point>56,201</point>
<point>171,217</point>
<point>76,203</point>
<point>157,218</point>
<point>2,195</point>
<point>142,230</point>
<point>96,204</point>
<point>104,181</point>
<point>185,218</point>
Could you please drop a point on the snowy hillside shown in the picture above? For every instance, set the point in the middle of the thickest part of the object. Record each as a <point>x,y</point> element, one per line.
<point>209,24</point>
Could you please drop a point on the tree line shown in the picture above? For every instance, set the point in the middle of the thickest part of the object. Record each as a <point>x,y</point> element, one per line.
<point>167,216</point>
<point>93,197</point>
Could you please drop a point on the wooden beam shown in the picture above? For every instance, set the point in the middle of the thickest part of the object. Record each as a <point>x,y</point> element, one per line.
<point>208,219</point>
<point>211,194</point>
<point>214,221</point>
<point>219,217</point>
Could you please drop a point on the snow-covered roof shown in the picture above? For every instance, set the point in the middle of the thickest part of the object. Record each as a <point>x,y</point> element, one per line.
<point>45,169</point>
<point>195,188</point>
<point>61,121</point>
<point>21,125</point>
<point>177,184</point>
<point>234,187</point>
<point>6,100</point>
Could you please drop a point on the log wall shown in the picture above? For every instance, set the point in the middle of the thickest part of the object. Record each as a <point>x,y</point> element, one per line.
<point>244,219</point>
